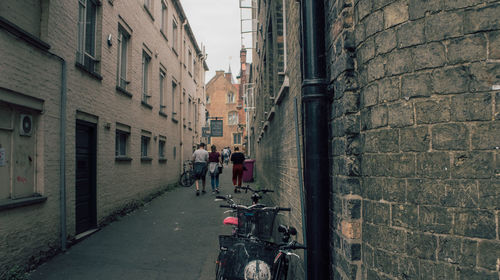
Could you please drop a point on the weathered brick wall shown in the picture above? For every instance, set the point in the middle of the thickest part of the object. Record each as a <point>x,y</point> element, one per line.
<point>413,139</point>
<point>276,152</point>
<point>345,141</point>
<point>25,69</point>
<point>429,139</point>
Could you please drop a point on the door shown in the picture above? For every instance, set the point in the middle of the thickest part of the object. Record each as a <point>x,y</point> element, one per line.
<point>85,181</point>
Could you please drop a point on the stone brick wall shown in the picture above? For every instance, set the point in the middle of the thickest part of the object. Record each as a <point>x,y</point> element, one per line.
<point>31,72</point>
<point>276,150</point>
<point>424,138</point>
<point>414,91</point>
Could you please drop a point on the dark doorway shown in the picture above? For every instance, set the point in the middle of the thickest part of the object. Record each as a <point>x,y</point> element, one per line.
<point>85,181</point>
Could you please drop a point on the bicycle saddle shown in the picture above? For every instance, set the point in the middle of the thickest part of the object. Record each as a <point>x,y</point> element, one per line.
<point>231,221</point>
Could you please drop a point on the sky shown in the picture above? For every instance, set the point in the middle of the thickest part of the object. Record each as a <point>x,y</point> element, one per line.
<point>216,25</point>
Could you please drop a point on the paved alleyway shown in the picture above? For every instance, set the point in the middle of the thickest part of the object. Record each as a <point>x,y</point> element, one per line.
<point>174,236</point>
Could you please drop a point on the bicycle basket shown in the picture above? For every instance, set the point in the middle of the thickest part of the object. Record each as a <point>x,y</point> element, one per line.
<point>244,258</point>
<point>256,222</point>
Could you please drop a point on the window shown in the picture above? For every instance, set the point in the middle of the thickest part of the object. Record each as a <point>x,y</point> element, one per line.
<point>86,54</point>
<point>232,118</point>
<point>236,138</point>
<point>145,146</point>
<point>123,42</point>
<point>164,17</point>
<point>162,91</point>
<point>18,153</point>
<point>174,35</point>
<point>122,137</point>
<point>230,97</point>
<point>190,103</point>
<point>121,143</point>
<point>190,61</point>
<point>208,99</point>
<point>174,93</point>
<point>161,147</point>
<point>146,59</point>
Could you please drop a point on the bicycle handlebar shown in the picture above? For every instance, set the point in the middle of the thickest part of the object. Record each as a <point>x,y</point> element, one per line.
<point>221,197</point>
<point>248,188</point>
<point>293,245</point>
<point>242,207</point>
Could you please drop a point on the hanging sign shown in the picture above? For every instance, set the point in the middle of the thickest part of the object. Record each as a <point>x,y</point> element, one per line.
<point>216,128</point>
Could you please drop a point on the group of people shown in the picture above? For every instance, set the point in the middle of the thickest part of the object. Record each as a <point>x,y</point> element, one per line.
<point>213,163</point>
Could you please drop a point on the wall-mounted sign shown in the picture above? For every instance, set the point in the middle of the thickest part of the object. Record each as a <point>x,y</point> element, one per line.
<point>216,128</point>
<point>205,131</point>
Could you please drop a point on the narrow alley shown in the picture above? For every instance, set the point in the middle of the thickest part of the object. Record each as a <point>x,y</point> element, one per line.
<point>175,236</point>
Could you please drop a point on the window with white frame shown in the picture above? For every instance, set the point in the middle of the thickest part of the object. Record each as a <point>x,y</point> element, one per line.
<point>161,147</point>
<point>121,143</point>
<point>190,103</point>
<point>163,75</point>
<point>146,59</point>
<point>164,17</point>
<point>237,138</point>
<point>123,43</point>
<point>190,62</point>
<point>230,97</point>
<point>145,140</point>
<point>174,93</point>
<point>232,118</point>
<point>87,29</point>
<point>174,34</point>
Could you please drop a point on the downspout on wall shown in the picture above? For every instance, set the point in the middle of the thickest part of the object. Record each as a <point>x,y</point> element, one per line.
<point>315,137</point>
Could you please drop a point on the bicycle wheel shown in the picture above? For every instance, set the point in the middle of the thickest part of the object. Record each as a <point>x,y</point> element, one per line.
<point>281,269</point>
<point>186,180</point>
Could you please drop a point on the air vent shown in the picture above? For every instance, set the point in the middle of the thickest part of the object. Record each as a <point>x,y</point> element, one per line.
<point>26,125</point>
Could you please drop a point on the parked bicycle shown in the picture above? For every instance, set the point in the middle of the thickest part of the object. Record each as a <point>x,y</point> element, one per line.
<point>187,177</point>
<point>282,259</point>
<point>248,253</point>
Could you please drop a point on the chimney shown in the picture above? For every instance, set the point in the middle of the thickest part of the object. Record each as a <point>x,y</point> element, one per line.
<point>243,55</point>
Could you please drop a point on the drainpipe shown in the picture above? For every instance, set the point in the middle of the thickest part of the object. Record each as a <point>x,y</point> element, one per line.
<point>315,138</point>
<point>62,156</point>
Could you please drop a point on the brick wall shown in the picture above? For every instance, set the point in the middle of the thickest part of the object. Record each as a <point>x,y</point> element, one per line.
<point>422,141</point>
<point>413,136</point>
<point>276,150</point>
<point>31,72</point>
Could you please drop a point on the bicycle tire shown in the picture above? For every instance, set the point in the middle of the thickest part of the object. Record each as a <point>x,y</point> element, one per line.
<point>281,269</point>
<point>186,180</point>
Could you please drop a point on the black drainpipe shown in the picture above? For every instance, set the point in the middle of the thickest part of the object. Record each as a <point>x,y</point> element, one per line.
<point>315,122</point>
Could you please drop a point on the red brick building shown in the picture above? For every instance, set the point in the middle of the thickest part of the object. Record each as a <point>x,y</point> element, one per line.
<point>224,102</point>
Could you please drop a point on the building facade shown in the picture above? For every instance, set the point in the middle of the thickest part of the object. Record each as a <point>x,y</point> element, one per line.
<point>413,94</point>
<point>100,102</point>
<point>225,102</point>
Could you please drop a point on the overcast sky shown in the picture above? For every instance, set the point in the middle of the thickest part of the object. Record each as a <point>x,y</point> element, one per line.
<point>216,25</point>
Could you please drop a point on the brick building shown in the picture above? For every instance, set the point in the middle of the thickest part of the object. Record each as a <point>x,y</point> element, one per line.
<point>413,90</point>
<point>100,101</point>
<point>225,102</point>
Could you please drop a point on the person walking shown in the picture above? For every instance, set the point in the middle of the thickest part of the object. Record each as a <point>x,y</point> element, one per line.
<point>200,159</point>
<point>225,154</point>
<point>237,158</point>
<point>214,161</point>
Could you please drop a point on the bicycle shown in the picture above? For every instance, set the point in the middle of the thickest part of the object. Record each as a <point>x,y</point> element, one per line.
<point>248,253</point>
<point>187,177</point>
<point>282,259</point>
